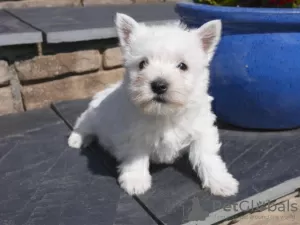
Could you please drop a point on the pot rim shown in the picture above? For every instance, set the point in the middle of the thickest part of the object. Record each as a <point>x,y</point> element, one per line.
<point>230,9</point>
<point>285,16</point>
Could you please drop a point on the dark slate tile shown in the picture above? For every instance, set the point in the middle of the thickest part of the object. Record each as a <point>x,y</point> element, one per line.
<point>43,181</point>
<point>259,160</point>
<point>70,110</point>
<point>20,123</point>
<point>13,31</point>
<point>69,24</point>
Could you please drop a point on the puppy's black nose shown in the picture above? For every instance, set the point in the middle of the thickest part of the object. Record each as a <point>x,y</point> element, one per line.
<point>159,86</point>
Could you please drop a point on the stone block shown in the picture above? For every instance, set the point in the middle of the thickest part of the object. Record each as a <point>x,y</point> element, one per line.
<point>4,74</point>
<point>178,0</point>
<point>74,87</point>
<point>38,3</point>
<point>112,57</point>
<point>110,76</point>
<point>148,1</point>
<point>6,101</point>
<point>107,2</point>
<point>51,66</point>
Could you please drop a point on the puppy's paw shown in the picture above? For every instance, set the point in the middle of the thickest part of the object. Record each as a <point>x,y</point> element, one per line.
<point>75,140</point>
<point>135,182</point>
<point>222,185</point>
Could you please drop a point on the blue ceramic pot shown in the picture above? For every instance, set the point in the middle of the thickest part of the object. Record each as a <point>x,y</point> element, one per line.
<point>255,74</point>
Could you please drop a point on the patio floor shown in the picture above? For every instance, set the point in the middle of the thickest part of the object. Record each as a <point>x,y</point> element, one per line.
<point>43,181</point>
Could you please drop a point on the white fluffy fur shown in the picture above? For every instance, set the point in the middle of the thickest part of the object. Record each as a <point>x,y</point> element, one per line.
<point>136,129</point>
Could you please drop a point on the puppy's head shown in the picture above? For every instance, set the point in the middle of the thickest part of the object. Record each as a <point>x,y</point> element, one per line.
<point>166,65</point>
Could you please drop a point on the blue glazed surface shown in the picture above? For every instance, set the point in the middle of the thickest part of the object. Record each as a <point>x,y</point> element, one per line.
<point>255,74</point>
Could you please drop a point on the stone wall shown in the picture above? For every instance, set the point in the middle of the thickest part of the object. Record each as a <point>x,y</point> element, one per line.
<point>52,3</point>
<point>33,76</point>
<point>32,79</point>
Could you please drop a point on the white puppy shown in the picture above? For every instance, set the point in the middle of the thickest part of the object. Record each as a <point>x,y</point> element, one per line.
<point>161,107</point>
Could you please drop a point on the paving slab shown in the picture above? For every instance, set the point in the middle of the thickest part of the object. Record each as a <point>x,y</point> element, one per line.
<point>265,163</point>
<point>13,31</point>
<point>43,181</point>
<point>69,24</point>
<point>284,211</point>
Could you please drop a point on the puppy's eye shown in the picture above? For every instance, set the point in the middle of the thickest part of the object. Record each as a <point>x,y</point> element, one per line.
<point>143,64</point>
<point>182,66</point>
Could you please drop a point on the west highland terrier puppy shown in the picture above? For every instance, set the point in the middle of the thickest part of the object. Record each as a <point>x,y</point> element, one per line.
<point>161,107</point>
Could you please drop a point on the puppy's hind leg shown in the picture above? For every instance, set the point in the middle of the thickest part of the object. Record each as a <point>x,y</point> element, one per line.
<point>81,136</point>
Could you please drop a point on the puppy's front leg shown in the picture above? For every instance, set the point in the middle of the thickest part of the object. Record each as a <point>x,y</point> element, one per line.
<point>206,161</point>
<point>83,129</point>
<point>134,175</point>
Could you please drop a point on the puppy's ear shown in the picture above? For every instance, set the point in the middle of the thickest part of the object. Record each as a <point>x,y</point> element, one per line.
<point>125,27</point>
<point>210,35</point>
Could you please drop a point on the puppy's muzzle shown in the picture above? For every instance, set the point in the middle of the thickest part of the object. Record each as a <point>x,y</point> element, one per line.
<point>160,99</point>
